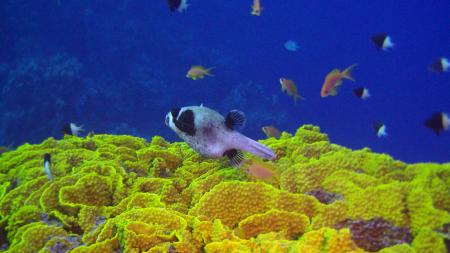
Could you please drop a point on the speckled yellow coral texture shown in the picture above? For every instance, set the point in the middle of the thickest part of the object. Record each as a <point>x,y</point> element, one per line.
<point>125,194</point>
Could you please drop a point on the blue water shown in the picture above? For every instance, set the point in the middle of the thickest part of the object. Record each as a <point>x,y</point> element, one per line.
<point>119,66</point>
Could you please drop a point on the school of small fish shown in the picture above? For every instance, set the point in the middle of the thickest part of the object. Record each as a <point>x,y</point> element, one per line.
<point>260,170</point>
<point>256,168</point>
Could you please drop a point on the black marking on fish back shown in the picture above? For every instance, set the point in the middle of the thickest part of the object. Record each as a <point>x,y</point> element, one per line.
<point>47,159</point>
<point>435,123</point>
<point>235,119</point>
<point>185,122</point>
<point>378,40</point>
<point>66,129</point>
<point>175,112</point>
<point>236,157</point>
<point>358,92</point>
<point>377,126</point>
<point>437,66</point>
<point>173,4</point>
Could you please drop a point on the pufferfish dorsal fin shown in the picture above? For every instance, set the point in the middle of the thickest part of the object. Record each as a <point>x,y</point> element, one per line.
<point>236,157</point>
<point>185,122</point>
<point>235,119</point>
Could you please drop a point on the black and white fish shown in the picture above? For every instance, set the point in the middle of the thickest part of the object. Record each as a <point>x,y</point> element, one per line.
<point>177,5</point>
<point>362,93</point>
<point>440,65</point>
<point>48,166</point>
<point>382,41</point>
<point>72,129</point>
<point>212,135</point>
<point>380,129</point>
<point>438,122</point>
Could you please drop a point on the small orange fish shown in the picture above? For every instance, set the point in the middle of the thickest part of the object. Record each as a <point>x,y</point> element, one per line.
<point>198,71</point>
<point>256,8</point>
<point>334,79</point>
<point>271,131</point>
<point>290,88</point>
<point>260,170</point>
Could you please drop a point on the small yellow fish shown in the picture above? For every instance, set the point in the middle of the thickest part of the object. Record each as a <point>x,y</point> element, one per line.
<point>198,71</point>
<point>271,131</point>
<point>256,8</point>
<point>260,170</point>
<point>290,88</point>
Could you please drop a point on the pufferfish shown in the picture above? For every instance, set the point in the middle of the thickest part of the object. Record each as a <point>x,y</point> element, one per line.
<point>212,135</point>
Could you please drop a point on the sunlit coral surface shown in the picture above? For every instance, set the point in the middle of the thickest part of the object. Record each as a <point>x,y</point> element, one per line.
<point>123,194</point>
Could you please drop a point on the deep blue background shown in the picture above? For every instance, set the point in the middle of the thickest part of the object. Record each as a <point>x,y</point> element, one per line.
<point>119,66</point>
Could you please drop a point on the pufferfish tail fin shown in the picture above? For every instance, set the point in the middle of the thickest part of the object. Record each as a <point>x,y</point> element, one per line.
<point>257,149</point>
<point>347,72</point>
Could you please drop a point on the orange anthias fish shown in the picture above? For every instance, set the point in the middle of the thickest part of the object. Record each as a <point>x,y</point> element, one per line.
<point>290,88</point>
<point>256,8</point>
<point>198,71</point>
<point>271,131</point>
<point>334,79</point>
<point>260,170</point>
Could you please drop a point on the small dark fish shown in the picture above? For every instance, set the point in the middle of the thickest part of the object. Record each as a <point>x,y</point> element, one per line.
<point>177,5</point>
<point>91,134</point>
<point>362,93</point>
<point>382,41</point>
<point>380,129</point>
<point>47,166</point>
<point>440,65</point>
<point>438,122</point>
<point>72,129</point>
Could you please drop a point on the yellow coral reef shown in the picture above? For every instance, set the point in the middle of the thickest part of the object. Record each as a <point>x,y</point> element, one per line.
<point>124,194</point>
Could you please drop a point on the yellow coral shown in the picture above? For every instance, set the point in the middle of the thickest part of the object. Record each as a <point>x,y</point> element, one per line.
<point>34,236</point>
<point>428,241</point>
<point>293,223</point>
<point>234,201</point>
<point>330,215</point>
<point>91,189</point>
<point>388,201</point>
<point>298,203</point>
<point>328,240</point>
<point>122,193</point>
<point>15,198</point>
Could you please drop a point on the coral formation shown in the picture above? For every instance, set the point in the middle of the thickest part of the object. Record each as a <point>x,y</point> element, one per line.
<point>376,234</point>
<point>122,193</point>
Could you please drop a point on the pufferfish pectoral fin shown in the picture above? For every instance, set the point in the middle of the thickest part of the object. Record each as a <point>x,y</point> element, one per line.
<point>235,119</point>
<point>236,157</point>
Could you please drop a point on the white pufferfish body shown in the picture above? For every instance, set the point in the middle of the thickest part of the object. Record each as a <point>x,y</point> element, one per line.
<point>212,135</point>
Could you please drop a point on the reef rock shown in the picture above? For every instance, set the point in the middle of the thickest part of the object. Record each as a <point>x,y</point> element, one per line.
<point>124,194</point>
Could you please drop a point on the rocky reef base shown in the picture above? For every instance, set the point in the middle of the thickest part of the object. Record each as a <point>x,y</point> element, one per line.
<point>124,194</point>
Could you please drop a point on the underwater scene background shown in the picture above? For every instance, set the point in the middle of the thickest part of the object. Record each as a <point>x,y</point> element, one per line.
<point>119,67</point>
<point>330,182</point>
